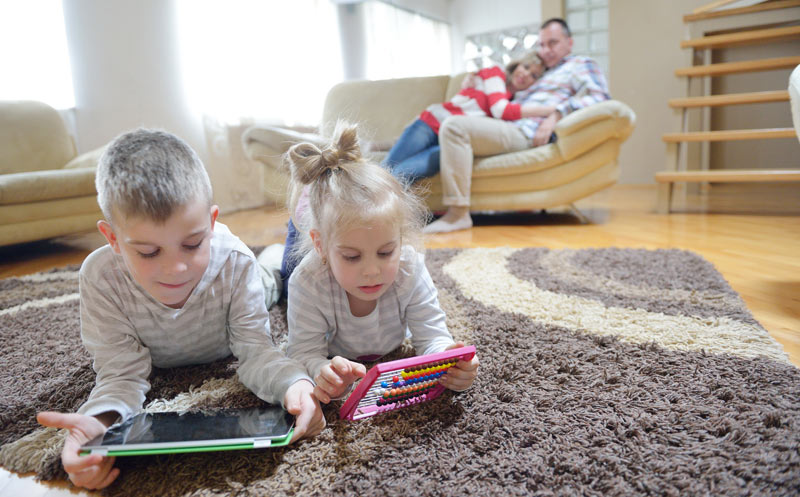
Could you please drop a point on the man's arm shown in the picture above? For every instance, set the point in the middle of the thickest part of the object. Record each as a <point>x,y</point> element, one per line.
<point>588,86</point>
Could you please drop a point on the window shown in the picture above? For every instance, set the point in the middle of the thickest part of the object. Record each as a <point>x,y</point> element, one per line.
<point>588,21</point>
<point>401,44</point>
<point>33,48</point>
<point>499,47</point>
<point>271,60</point>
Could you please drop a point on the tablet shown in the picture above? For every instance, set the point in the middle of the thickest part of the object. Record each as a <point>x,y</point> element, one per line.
<point>171,432</point>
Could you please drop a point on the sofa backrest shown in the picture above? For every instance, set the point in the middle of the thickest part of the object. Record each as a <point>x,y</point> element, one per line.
<point>33,137</point>
<point>382,109</point>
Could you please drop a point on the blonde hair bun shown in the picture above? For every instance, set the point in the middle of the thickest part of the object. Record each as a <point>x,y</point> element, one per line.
<point>308,162</point>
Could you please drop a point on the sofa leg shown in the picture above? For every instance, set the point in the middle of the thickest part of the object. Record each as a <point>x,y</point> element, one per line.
<point>581,217</point>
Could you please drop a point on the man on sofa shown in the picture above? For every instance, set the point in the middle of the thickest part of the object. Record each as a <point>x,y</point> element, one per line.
<point>570,83</point>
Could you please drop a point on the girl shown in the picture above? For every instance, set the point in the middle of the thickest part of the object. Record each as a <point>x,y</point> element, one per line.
<point>362,285</point>
<point>487,93</point>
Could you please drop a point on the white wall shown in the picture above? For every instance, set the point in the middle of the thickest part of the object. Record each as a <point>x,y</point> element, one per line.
<point>126,71</point>
<point>469,17</point>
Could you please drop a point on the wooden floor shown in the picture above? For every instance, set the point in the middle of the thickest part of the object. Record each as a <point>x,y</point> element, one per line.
<point>751,233</point>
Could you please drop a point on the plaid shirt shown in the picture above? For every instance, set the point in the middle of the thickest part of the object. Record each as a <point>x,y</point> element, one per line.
<point>576,82</point>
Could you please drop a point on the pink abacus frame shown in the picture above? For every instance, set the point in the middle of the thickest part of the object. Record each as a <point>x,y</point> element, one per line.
<point>422,386</point>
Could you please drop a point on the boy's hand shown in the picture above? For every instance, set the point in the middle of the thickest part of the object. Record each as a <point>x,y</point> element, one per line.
<point>334,379</point>
<point>460,377</point>
<point>92,471</point>
<point>299,400</point>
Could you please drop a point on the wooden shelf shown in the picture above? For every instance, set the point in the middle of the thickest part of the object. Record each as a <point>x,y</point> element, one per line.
<point>761,7</point>
<point>731,99</point>
<point>749,37</point>
<point>739,67</point>
<point>729,135</point>
<point>729,175</point>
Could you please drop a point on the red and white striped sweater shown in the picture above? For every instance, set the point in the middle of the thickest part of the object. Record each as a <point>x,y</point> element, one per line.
<point>490,97</point>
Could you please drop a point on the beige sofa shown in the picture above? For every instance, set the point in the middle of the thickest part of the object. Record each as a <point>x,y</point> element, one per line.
<point>46,189</point>
<point>581,162</point>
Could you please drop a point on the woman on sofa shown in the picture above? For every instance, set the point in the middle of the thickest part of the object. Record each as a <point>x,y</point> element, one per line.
<point>486,93</point>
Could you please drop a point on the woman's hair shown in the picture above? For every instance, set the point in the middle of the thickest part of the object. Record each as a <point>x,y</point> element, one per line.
<point>345,192</point>
<point>530,58</point>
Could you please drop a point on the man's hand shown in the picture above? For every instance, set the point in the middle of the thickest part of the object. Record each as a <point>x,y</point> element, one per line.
<point>93,471</point>
<point>461,376</point>
<point>299,400</point>
<point>335,377</point>
<point>545,129</point>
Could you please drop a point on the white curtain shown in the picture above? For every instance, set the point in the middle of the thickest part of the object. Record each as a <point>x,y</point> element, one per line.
<point>33,51</point>
<point>272,60</point>
<point>401,44</point>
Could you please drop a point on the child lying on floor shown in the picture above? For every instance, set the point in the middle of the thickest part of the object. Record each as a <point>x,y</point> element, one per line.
<point>362,286</point>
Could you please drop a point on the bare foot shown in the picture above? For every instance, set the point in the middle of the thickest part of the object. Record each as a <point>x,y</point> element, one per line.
<point>455,219</point>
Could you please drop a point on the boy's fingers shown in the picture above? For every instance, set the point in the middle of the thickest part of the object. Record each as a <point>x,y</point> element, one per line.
<point>75,463</point>
<point>301,424</point>
<point>58,420</point>
<point>109,478</point>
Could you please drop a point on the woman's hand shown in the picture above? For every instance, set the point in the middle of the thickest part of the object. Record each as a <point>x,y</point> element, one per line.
<point>469,81</point>
<point>536,110</point>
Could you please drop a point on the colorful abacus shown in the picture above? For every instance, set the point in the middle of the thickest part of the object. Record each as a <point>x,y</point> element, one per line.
<point>402,383</point>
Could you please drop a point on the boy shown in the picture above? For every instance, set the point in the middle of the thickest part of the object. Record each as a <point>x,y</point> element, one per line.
<point>171,288</point>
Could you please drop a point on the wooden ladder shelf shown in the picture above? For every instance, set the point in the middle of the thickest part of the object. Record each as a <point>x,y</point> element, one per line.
<point>713,29</point>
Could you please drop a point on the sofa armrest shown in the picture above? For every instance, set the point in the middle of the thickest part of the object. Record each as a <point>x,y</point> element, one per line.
<point>267,144</point>
<point>586,128</point>
<point>87,159</point>
<point>39,186</point>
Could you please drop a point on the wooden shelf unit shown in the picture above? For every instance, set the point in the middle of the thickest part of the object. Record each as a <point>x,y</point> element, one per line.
<point>707,30</point>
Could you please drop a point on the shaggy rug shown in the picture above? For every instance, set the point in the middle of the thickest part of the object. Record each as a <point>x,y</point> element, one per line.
<point>603,372</point>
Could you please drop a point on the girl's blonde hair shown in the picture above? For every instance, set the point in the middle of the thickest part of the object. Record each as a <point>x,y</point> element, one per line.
<point>345,192</point>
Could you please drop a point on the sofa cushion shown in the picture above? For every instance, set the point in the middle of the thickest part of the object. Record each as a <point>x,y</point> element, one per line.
<point>33,137</point>
<point>384,108</point>
<point>38,186</point>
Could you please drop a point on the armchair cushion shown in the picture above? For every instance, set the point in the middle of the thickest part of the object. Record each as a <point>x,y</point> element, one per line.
<point>45,190</point>
<point>33,138</point>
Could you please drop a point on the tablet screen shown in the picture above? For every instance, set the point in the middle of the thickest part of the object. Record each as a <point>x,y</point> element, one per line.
<point>169,429</point>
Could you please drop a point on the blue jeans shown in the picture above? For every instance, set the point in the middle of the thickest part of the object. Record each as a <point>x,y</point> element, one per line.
<point>289,262</point>
<point>416,153</point>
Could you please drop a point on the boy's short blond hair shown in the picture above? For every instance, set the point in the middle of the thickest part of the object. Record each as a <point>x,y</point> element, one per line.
<point>149,173</point>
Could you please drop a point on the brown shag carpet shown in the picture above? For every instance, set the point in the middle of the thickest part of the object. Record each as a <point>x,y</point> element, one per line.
<point>603,372</point>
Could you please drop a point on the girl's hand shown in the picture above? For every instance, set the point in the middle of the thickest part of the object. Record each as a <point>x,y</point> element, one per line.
<point>461,376</point>
<point>336,377</point>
